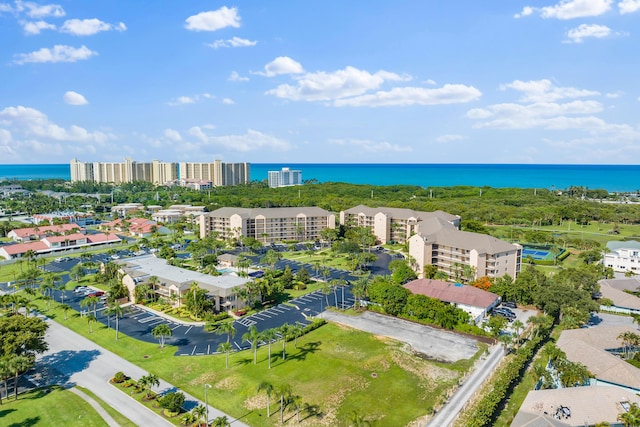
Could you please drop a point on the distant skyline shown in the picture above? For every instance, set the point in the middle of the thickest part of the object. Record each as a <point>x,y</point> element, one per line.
<point>552,82</point>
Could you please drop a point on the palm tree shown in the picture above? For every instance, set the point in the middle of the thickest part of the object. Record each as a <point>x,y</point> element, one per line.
<point>91,319</point>
<point>335,283</point>
<point>285,332</point>
<point>225,347</point>
<point>222,421</point>
<point>200,412</point>
<point>188,418</point>
<point>18,364</point>
<point>252,336</point>
<point>269,335</point>
<point>91,301</point>
<point>147,382</point>
<point>117,311</point>
<point>161,332</point>
<point>298,403</point>
<point>269,390</point>
<point>296,330</point>
<point>226,328</point>
<point>631,418</point>
<point>285,393</point>
<point>5,372</point>
<point>65,308</point>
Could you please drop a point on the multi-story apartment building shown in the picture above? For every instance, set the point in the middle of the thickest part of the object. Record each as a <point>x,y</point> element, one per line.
<point>440,243</point>
<point>156,172</point>
<point>623,256</point>
<point>268,225</point>
<point>392,224</point>
<point>217,172</point>
<point>284,178</point>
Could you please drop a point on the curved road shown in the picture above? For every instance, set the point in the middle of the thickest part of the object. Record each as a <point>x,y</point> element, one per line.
<point>73,359</point>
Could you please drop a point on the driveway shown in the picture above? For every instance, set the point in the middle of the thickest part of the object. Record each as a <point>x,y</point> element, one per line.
<point>75,360</point>
<point>433,343</point>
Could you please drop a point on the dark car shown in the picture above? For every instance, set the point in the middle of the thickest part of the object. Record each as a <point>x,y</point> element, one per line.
<point>509,304</point>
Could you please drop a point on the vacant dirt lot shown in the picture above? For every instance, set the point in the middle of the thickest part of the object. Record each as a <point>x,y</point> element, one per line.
<point>433,343</point>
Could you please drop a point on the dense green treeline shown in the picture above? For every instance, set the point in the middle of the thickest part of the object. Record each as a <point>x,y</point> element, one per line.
<point>483,204</point>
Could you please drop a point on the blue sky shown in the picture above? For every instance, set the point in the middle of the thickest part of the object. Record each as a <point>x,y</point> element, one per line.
<point>321,81</point>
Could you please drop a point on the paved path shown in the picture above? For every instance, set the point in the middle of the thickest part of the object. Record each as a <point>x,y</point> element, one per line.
<point>95,405</point>
<point>73,359</point>
<point>448,414</point>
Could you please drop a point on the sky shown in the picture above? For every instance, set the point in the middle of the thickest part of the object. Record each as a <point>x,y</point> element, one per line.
<point>403,81</point>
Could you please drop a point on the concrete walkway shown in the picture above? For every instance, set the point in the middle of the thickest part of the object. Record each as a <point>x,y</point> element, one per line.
<point>95,405</point>
<point>448,414</point>
<point>74,360</point>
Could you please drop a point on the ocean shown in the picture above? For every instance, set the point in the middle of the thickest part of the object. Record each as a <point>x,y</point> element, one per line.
<point>620,178</point>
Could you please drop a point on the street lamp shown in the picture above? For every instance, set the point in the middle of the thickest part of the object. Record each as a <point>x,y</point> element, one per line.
<point>206,401</point>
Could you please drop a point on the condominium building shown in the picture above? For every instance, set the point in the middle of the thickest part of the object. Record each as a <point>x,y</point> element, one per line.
<point>440,243</point>
<point>156,172</point>
<point>284,178</point>
<point>623,256</point>
<point>268,225</point>
<point>392,224</point>
<point>216,172</point>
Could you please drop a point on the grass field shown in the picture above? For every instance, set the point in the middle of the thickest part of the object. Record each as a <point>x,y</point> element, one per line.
<point>338,369</point>
<point>57,408</point>
<point>117,416</point>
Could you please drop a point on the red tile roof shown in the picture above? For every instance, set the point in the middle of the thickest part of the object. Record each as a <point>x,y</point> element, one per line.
<point>20,248</point>
<point>452,293</point>
<point>46,229</point>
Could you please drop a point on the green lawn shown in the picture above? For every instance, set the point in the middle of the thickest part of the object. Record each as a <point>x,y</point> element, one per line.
<point>338,369</point>
<point>117,416</point>
<point>57,408</point>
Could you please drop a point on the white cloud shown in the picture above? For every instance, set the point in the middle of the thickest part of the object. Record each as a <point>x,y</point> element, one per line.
<point>546,115</point>
<point>450,138</point>
<point>214,20</point>
<point>59,53</point>
<point>526,11</point>
<point>35,27</point>
<point>324,86</point>
<point>578,34</point>
<point>74,98</point>
<point>404,96</point>
<point>629,6</point>
<point>33,123</point>
<point>281,65</point>
<point>89,27</point>
<point>173,135</point>
<point>545,91</point>
<point>228,101</point>
<point>234,42</point>
<point>235,77</point>
<point>371,146</point>
<point>569,9</point>
<point>614,95</point>
<point>183,100</point>
<point>35,10</point>
<point>250,141</point>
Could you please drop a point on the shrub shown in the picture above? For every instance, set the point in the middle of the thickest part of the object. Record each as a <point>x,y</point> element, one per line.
<point>172,401</point>
<point>119,377</point>
<point>130,383</point>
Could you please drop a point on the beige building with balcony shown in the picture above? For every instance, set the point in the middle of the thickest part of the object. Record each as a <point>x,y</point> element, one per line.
<point>216,172</point>
<point>267,225</point>
<point>439,242</point>
<point>392,224</point>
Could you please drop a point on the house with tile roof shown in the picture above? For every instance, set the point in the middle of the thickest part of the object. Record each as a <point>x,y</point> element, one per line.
<point>37,233</point>
<point>52,244</point>
<point>475,301</point>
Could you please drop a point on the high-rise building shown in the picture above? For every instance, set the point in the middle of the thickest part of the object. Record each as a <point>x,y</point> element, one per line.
<point>284,178</point>
<point>156,172</point>
<point>220,174</point>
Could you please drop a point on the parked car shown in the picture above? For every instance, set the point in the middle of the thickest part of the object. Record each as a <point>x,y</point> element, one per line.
<point>58,260</point>
<point>509,304</point>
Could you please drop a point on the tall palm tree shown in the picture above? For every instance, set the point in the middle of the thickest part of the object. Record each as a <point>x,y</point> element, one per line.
<point>91,319</point>
<point>225,347</point>
<point>117,311</point>
<point>18,364</point>
<point>269,335</point>
<point>65,308</point>
<point>296,331</point>
<point>226,328</point>
<point>91,301</point>
<point>161,332</point>
<point>252,336</point>
<point>285,332</point>
<point>285,394</point>
<point>147,382</point>
<point>269,391</point>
